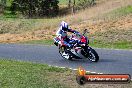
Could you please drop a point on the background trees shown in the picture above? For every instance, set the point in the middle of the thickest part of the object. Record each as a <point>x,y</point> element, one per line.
<point>32,8</point>
<point>2,5</point>
<point>42,8</point>
<point>80,4</point>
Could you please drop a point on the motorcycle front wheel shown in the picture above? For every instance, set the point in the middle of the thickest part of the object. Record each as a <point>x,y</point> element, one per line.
<point>93,56</point>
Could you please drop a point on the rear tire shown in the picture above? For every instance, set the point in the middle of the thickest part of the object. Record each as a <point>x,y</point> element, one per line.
<point>64,54</point>
<point>93,56</point>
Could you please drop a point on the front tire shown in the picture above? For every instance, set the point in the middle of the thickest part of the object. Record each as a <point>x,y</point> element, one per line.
<point>93,56</point>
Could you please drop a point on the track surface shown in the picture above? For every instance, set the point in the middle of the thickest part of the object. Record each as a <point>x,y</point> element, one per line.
<point>111,61</point>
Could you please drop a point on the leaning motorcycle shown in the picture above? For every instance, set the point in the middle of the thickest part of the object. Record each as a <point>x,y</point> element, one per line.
<point>80,50</point>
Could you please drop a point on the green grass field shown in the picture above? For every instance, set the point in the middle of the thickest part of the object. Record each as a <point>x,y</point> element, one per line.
<point>111,45</point>
<point>18,74</point>
<point>42,42</point>
<point>93,42</point>
<point>123,11</point>
<point>63,2</point>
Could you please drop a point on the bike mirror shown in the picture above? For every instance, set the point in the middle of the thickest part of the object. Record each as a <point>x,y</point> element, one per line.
<point>85,31</point>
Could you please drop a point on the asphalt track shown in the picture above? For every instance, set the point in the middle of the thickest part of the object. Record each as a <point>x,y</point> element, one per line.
<point>111,61</point>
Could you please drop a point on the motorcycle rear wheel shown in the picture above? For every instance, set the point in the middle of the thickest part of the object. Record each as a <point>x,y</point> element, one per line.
<point>64,54</point>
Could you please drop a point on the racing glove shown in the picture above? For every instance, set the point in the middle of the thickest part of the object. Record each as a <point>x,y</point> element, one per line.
<point>70,45</point>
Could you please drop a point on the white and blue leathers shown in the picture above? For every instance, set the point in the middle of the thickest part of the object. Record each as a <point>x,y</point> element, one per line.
<point>61,34</point>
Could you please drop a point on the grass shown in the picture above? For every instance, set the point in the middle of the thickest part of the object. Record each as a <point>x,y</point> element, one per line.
<point>17,25</point>
<point>18,74</point>
<point>118,12</point>
<point>93,42</point>
<point>122,11</point>
<point>112,45</point>
<point>43,42</point>
<point>63,2</point>
<point>112,38</point>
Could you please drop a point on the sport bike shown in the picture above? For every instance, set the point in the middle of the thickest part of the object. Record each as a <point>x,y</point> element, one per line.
<point>80,50</point>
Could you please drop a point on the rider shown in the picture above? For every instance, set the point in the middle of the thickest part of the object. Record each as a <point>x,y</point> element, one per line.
<point>62,34</point>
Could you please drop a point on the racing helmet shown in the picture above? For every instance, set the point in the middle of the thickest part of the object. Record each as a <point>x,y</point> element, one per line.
<point>64,26</point>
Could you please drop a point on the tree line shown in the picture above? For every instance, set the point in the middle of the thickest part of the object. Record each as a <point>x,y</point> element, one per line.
<point>42,8</point>
<point>2,5</point>
<point>35,7</point>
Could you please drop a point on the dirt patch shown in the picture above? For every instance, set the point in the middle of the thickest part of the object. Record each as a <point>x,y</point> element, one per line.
<point>124,22</point>
<point>14,38</point>
<point>120,25</point>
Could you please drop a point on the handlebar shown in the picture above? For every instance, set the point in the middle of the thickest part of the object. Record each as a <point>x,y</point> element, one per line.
<point>85,31</point>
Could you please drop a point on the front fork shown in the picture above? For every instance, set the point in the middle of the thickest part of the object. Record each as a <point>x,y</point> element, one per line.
<point>86,51</point>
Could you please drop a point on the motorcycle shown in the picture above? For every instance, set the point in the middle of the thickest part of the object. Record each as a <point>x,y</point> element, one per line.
<point>80,50</point>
